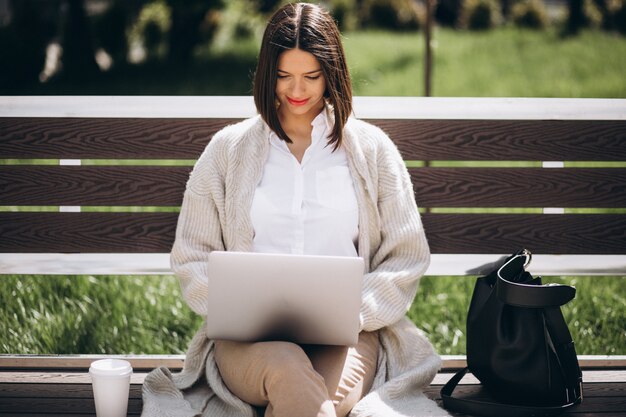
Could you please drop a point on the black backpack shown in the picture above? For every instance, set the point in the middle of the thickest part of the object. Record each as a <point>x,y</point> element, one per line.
<point>518,346</point>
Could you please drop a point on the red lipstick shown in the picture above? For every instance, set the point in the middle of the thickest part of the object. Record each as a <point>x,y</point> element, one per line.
<point>297,102</point>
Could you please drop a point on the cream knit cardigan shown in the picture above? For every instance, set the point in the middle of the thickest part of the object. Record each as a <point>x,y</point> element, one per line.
<point>215,216</point>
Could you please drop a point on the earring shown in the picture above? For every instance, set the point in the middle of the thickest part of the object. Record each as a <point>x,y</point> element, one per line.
<point>277,103</point>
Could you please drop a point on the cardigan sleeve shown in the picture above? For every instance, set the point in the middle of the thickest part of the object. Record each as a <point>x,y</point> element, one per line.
<point>199,230</point>
<point>403,255</point>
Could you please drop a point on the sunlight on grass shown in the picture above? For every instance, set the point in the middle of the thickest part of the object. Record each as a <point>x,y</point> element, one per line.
<point>86,314</point>
<point>146,314</point>
<point>505,62</point>
<point>29,162</point>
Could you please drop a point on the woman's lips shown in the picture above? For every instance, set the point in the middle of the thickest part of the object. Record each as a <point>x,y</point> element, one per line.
<point>297,102</point>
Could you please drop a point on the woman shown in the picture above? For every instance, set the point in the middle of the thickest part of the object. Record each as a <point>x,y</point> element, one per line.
<point>303,177</point>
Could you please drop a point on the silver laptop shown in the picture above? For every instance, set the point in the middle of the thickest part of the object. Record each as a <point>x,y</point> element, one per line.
<point>301,298</point>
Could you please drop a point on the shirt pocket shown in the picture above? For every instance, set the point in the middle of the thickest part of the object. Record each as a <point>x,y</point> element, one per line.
<point>335,188</point>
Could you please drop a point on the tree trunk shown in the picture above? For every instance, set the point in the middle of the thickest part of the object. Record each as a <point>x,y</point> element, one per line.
<point>78,53</point>
<point>575,17</point>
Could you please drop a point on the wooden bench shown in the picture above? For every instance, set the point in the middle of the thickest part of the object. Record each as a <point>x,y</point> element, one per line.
<point>467,207</point>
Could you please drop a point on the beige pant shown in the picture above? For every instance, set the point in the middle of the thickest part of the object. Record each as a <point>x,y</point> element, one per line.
<point>294,380</point>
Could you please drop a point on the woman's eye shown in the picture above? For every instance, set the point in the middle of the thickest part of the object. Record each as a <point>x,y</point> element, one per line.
<point>280,77</point>
<point>313,77</point>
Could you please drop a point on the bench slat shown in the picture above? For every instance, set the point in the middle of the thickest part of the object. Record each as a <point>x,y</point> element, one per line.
<point>73,378</point>
<point>480,140</point>
<point>612,405</point>
<point>60,378</point>
<point>159,264</point>
<point>106,138</point>
<point>83,362</point>
<point>519,187</point>
<point>50,390</point>
<point>591,390</point>
<point>93,185</point>
<point>31,395</point>
<point>448,233</point>
<point>495,140</point>
<point>465,108</point>
<point>87,232</point>
<point>542,234</point>
<point>434,187</point>
<point>73,400</point>
<point>27,364</point>
<point>60,405</point>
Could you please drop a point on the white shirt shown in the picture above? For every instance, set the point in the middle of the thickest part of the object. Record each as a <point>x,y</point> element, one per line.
<point>309,207</point>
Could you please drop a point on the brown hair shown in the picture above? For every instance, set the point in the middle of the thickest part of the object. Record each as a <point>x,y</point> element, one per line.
<point>310,28</point>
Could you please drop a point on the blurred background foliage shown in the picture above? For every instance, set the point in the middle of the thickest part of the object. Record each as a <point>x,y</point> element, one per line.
<point>127,46</point>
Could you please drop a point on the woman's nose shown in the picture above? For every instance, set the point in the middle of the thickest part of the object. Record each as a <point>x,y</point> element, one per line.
<point>297,88</point>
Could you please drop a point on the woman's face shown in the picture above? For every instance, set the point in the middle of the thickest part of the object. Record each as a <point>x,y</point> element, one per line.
<point>300,85</point>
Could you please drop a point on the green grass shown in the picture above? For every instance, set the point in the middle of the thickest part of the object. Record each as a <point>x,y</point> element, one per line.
<point>129,314</point>
<point>506,62</point>
<point>85,314</point>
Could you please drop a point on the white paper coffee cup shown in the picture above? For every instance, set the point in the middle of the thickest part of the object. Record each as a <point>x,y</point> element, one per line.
<point>110,380</point>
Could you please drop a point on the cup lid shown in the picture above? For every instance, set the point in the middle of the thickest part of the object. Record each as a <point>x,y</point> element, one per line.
<point>111,367</point>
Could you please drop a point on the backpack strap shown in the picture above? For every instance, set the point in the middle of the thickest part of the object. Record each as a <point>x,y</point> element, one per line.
<point>533,296</point>
<point>512,289</point>
<point>493,409</point>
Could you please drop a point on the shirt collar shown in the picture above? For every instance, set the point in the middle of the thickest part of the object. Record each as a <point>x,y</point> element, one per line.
<point>322,127</point>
